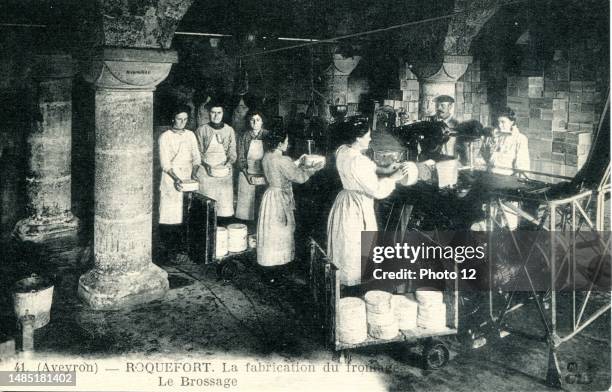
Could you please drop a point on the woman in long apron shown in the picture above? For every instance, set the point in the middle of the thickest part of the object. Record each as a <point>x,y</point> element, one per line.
<point>250,154</point>
<point>276,223</point>
<point>217,143</point>
<point>179,159</point>
<point>353,209</point>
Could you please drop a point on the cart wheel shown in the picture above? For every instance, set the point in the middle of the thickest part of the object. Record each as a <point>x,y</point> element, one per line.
<point>346,357</point>
<point>435,355</point>
<point>343,357</point>
<point>228,270</point>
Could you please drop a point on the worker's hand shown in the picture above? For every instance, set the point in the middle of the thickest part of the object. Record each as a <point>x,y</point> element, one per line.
<point>249,178</point>
<point>394,166</point>
<point>206,167</point>
<point>301,160</point>
<point>194,171</point>
<point>178,185</point>
<point>401,171</point>
<point>429,163</point>
<point>405,168</point>
<point>318,166</point>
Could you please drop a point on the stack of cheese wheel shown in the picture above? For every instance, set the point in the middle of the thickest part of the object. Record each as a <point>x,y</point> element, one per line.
<point>221,242</point>
<point>237,237</point>
<point>405,311</point>
<point>382,323</point>
<point>352,325</point>
<point>432,309</point>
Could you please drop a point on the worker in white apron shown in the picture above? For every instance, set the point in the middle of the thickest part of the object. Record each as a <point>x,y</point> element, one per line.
<point>218,145</point>
<point>250,154</point>
<point>507,154</point>
<point>216,182</point>
<point>276,223</point>
<point>179,159</point>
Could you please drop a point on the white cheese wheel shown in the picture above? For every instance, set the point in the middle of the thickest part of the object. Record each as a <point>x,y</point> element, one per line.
<point>351,320</point>
<point>428,295</point>
<point>378,301</point>
<point>388,331</point>
<point>237,237</point>
<point>405,311</point>
<point>221,242</point>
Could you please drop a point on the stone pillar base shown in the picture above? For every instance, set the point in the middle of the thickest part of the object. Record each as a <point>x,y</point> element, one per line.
<point>39,231</point>
<point>116,291</point>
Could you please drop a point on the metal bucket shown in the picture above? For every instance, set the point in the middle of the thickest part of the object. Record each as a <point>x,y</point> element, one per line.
<point>33,296</point>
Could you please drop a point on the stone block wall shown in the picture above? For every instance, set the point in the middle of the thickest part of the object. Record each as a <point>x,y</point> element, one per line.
<point>558,111</point>
<point>406,98</point>
<point>471,101</point>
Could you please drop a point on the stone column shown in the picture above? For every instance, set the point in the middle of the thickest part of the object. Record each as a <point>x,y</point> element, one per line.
<point>435,80</point>
<point>48,183</point>
<point>123,273</point>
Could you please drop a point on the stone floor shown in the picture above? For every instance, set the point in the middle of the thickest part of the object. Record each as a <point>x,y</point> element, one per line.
<point>204,317</point>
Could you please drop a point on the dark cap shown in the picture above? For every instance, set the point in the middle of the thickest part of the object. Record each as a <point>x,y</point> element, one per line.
<point>444,98</point>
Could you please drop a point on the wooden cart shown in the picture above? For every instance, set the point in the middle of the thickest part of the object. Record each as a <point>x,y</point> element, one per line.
<point>325,289</point>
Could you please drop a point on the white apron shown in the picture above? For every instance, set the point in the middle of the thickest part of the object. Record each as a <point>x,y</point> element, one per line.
<point>245,207</point>
<point>171,200</point>
<point>217,188</point>
<point>352,213</point>
<point>275,228</point>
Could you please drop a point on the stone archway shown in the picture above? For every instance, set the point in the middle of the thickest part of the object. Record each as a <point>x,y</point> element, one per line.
<point>451,57</point>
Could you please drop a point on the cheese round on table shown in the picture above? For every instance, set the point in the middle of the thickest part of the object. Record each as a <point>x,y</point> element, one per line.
<point>351,318</point>
<point>388,331</point>
<point>378,301</point>
<point>405,311</point>
<point>428,295</point>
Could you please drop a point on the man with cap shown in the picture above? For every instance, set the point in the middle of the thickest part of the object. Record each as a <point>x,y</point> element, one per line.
<point>444,112</point>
